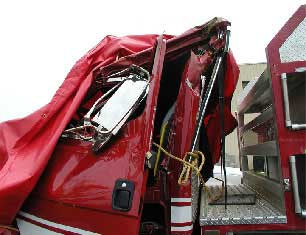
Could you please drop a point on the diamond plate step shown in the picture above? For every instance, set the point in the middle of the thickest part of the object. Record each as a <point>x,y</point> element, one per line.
<point>262,212</point>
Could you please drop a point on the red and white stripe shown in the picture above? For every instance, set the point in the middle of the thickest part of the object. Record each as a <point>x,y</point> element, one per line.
<point>181,215</point>
<point>32,225</point>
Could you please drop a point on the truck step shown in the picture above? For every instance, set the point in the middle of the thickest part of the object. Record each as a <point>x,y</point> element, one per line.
<point>260,212</point>
<point>236,195</point>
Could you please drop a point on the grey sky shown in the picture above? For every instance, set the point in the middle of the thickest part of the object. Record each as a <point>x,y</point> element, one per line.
<point>41,40</point>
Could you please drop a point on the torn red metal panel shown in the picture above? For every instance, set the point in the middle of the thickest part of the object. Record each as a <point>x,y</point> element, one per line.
<point>32,139</point>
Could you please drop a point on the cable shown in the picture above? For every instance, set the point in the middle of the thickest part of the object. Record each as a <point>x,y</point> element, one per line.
<point>220,78</point>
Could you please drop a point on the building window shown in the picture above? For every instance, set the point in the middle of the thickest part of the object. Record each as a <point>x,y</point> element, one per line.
<point>244,83</point>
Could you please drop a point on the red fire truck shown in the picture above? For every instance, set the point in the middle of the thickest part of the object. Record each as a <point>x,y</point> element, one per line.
<point>130,139</point>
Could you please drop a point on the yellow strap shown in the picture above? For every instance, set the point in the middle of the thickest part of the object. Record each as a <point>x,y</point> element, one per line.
<point>184,176</point>
<point>161,141</point>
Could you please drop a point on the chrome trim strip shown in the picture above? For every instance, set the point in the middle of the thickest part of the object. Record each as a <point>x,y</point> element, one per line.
<point>295,188</point>
<point>298,126</point>
<point>286,100</point>
<point>56,225</point>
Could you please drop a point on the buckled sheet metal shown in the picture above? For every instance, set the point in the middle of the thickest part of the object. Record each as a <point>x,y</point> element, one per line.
<point>112,110</point>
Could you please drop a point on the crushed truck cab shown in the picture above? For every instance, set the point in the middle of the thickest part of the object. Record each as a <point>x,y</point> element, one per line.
<point>130,139</point>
